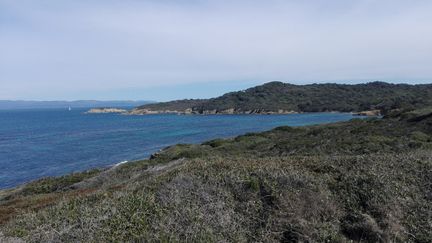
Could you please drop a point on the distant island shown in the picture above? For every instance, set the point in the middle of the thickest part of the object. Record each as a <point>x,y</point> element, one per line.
<point>283,98</point>
<point>27,104</point>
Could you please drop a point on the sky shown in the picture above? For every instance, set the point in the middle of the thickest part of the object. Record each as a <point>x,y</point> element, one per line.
<point>171,49</point>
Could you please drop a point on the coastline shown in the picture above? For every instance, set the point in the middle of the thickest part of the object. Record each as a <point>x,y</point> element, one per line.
<point>368,113</point>
<point>230,111</point>
<point>154,154</point>
<point>234,167</point>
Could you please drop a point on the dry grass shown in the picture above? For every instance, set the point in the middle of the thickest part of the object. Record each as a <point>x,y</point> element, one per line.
<point>332,198</point>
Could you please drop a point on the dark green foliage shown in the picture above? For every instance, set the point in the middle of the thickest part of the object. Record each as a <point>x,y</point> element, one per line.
<point>275,96</point>
<point>216,142</point>
<point>177,105</point>
<point>55,184</point>
<point>357,136</point>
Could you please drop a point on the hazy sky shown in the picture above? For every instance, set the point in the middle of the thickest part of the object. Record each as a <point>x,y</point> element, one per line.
<point>166,49</point>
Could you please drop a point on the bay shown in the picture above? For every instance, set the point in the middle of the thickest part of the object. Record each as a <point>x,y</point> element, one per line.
<point>53,142</point>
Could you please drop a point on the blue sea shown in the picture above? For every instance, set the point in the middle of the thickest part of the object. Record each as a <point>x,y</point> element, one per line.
<point>53,142</point>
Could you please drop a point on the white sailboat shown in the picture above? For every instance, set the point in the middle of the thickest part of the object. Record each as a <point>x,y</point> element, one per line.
<point>69,108</point>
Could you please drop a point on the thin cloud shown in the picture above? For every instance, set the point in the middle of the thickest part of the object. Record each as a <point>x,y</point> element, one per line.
<point>59,47</point>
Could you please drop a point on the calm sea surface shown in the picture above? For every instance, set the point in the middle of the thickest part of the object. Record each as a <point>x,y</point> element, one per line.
<point>39,143</point>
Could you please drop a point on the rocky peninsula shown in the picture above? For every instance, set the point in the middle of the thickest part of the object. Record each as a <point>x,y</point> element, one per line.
<point>370,99</point>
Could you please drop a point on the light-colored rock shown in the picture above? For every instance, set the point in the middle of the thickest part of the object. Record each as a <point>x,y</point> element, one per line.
<point>153,112</point>
<point>229,111</point>
<point>368,113</point>
<point>209,112</point>
<point>190,111</point>
<point>5,239</point>
<point>105,110</point>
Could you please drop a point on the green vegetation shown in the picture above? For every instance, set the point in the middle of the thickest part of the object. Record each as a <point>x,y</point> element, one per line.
<point>363,180</point>
<point>278,96</point>
<point>176,105</point>
<point>55,184</point>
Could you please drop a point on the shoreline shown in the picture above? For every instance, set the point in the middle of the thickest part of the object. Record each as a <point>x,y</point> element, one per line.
<point>354,113</point>
<point>116,164</point>
<point>232,111</point>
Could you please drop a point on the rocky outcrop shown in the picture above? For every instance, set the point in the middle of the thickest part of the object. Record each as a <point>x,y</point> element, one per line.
<point>105,110</point>
<point>368,113</point>
<point>190,111</point>
<point>233,111</point>
<point>153,112</point>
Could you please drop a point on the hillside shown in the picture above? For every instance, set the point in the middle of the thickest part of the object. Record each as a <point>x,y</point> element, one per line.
<point>278,97</point>
<point>176,106</point>
<point>362,180</point>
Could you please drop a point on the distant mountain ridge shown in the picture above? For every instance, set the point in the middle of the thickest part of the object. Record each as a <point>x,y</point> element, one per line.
<point>23,104</point>
<point>279,97</point>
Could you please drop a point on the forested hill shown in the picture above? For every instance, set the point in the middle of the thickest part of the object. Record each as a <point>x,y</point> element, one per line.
<point>278,97</point>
